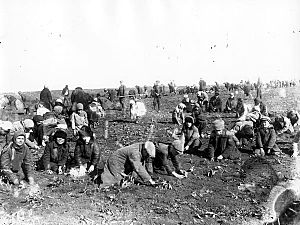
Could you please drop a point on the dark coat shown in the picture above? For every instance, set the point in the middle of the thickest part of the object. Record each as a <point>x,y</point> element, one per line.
<point>230,105</point>
<point>215,104</point>
<point>222,145</point>
<point>190,135</point>
<point>163,153</point>
<point>202,85</point>
<point>156,91</point>
<point>14,158</point>
<point>55,153</point>
<point>121,91</point>
<point>87,153</point>
<point>125,160</point>
<point>46,98</point>
<point>266,138</point>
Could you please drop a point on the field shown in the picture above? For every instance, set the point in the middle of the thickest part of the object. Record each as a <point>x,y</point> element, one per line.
<point>214,193</point>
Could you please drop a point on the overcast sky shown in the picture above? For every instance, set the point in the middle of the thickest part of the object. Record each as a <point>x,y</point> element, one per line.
<point>95,44</point>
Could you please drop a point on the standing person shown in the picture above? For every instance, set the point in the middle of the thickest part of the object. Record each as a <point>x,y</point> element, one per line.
<point>156,96</point>
<point>128,159</point>
<point>202,85</point>
<point>65,93</point>
<point>56,153</point>
<point>121,95</point>
<point>258,89</point>
<point>46,98</point>
<point>78,119</point>
<point>16,156</point>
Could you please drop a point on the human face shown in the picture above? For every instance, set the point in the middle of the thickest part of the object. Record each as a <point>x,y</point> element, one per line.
<point>188,124</point>
<point>266,124</point>
<point>20,140</point>
<point>60,141</point>
<point>219,132</point>
<point>87,139</point>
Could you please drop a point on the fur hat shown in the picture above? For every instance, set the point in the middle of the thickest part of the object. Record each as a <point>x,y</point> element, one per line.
<point>28,123</point>
<point>17,134</point>
<point>150,148</point>
<point>37,118</point>
<point>6,125</point>
<point>189,119</point>
<point>79,106</point>
<point>218,124</point>
<point>60,134</point>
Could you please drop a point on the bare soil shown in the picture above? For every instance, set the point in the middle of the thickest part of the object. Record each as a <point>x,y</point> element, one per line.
<point>209,195</point>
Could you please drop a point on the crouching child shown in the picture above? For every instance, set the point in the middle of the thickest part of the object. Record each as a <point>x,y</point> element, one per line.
<point>16,157</point>
<point>87,151</point>
<point>56,153</point>
<point>221,143</point>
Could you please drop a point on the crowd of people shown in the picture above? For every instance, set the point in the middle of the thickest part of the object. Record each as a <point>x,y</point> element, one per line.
<point>255,132</point>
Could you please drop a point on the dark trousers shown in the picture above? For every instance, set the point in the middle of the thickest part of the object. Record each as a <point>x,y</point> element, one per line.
<point>156,102</point>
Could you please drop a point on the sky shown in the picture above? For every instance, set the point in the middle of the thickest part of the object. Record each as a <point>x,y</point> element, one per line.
<point>96,43</point>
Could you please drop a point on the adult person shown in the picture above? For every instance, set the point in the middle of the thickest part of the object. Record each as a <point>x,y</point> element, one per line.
<point>38,129</point>
<point>128,159</point>
<point>221,143</point>
<point>215,103</point>
<point>202,85</point>
<point>121,95</point>
<point>65,94</point>
<point>56,153</point>
<point>78,119</point>
<point>46,98</point>
<point>266,138</point>
<point>230,104</point>
<point>156,96</point>
<point>87,151</point>
<point>16,157</point>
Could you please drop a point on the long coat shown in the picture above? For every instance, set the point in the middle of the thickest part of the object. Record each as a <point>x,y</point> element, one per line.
<point>87,153</point>
<point>163,153</point>
<point>125,160</point>
<point>266,139</point>
<point>55,153</point>
<point>15,158</point>
<point>222,145</point>
<point>46,98</point>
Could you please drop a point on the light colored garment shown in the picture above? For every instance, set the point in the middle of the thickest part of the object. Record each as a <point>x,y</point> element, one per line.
<point>79,120</point>
<point>137,109</point>
<point>41,111</point>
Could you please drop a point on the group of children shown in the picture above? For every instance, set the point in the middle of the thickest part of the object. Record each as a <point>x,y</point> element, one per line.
<point>143,158</point>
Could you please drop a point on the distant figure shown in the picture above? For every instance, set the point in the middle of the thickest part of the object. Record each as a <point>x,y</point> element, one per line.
<point>258,89</point>
<point>121,95</point>
<point>65,93</point>
<point>46,98</point>
<point>202,85</point>
<point>156,95</point>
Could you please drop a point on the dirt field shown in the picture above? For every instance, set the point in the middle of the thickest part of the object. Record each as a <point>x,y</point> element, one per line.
<point>211,194</point>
